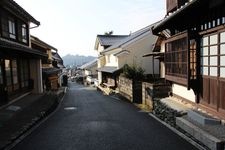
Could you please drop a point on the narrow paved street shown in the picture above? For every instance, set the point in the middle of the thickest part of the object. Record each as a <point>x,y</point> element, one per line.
<point>100,122</point>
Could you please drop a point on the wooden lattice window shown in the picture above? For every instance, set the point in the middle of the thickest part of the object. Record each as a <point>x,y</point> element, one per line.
<point>213,55</point>
<point>176,58</point>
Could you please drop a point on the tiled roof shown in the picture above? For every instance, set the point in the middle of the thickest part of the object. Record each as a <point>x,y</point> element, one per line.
<point>60,66</point>
<point>187,7</point>
<point>36,40</point>
<point>108,40</point>
<point>17,9</point>
<point>4,43</point>
<point>89,64</point>
<point>108,69</point>
<point>133,36</point>
<point>121,53</point>
<point>49,71</point>
<point>56,56</point>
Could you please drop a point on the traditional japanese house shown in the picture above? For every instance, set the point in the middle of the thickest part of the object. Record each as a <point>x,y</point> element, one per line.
<point>129,51</point>
<point>20,65</point>
<point>89,68</point>
<point>103,42</point>
<point>57,60</point>
<point>195,52</point>
<point>50,67</point>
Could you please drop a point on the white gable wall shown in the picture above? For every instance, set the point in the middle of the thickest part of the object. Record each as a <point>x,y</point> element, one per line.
<point>137,49</point>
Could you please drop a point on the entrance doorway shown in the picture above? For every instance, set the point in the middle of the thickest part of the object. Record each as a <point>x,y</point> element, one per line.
<point>3,94</point>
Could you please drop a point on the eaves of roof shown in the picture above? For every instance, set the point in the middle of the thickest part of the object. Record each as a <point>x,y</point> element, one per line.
<point>4,43</point>
<point>89,64</point>
<point>171,18</point>
<point>49,71</point>
<point>108,40</point>
<point>108,69</point>
<point>41,43</point>
<point>17,9</point>
<point>132,37</point>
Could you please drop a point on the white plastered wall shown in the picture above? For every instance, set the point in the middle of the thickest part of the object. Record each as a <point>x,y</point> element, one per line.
<point>137,50</point>
<point>182,91</point>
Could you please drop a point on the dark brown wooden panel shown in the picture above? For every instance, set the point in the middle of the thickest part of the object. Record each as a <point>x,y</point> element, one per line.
<point>213,89</point>
<point>206,90</point>
<point>222,94</point>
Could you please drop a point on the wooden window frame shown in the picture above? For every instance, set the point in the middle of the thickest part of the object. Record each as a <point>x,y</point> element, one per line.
<point>24,33</point>
<point>12,28</point>
<point>172,61</point>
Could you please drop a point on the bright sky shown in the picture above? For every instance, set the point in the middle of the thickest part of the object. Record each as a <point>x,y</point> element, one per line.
<point>71,26</point>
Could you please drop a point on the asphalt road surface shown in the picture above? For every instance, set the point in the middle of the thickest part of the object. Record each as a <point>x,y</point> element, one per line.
<point>89,120</point>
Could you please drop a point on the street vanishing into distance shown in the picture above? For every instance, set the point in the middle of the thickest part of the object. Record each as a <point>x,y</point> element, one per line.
<point>89,120</point>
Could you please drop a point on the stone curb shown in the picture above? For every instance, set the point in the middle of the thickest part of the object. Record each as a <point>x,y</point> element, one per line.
<point>178,133</point>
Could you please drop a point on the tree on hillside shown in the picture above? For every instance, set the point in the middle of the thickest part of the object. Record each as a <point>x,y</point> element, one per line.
<point>109,33</point>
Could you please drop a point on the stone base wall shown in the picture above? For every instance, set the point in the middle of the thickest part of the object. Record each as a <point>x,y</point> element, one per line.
<point>151,91</point>
<point>125,88</point>
<point>165,113</point>
<point>146,98</point>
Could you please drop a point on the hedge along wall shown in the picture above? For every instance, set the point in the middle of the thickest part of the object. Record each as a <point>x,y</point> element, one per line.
<point>126,88</point>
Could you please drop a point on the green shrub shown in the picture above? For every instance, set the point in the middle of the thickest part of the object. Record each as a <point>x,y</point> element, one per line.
<point>133,72</point>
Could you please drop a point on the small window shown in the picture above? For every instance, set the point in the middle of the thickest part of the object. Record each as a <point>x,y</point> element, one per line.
<point>223,20</point>
<point>222,60</point>
<point>205,51</point>
<point>213,39</point>
<point>24,33</point>
<point>222,72</point>
<point>12,31</point>
<point>222,49</point>
<point>213,23</point>
<point>213,61</point>
<point>205,71</point>
<point>205,41</point>
<point>222,37</point>
<point>213,50</point>
<point>205,61</point>
<point>218,21</point>
<point>213,71</point>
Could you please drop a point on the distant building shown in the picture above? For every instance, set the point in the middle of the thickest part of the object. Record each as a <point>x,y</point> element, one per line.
<point>89,69</point>
<point>103,42</point>
<point>127,50</point>
<point>52,66</point>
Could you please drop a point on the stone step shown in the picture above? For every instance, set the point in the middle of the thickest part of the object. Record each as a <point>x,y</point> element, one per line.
<point>209,140</point>
<point>202,118</point>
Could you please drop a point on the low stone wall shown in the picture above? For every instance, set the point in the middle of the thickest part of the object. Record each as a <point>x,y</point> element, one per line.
<point>146,98</point>
<point>151,91</point>
<point>126,88</point>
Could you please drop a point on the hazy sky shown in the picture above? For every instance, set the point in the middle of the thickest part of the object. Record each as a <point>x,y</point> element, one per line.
<point>72,25</point>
